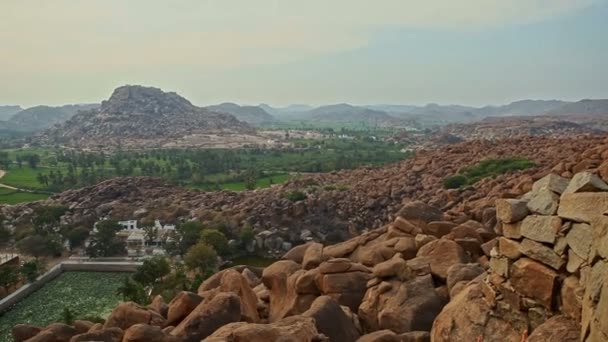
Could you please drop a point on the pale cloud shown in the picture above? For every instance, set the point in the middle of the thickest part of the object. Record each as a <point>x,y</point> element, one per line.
<point>113,35</point>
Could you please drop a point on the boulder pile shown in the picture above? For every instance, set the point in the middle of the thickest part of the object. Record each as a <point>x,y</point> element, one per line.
<point>547,267</point>
<point>395,279</point>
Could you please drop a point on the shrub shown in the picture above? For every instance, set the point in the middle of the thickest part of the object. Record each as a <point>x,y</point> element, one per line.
<point>295,195</point>
<point>455,182</point>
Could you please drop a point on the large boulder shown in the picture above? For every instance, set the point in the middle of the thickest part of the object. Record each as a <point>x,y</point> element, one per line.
<point>585,182</point>
<point>296,254</point>
<point>235,282</point>
<point>462,272</point>
<point>468,317</point>
<point>281,280</point>
<point>208,316</point>
<point>158,304</point>
<point>181,306</point>
<point>331,320</point>
<point>347,288</point>
<point>556,329</point>
<point>544,202</point>
<point>22,332</point>
<point>582,207</point>
<point>313,256</point>
<point>534,280</point>
<point>290,329</point>
<point>380,336</point>
<point>441,254</point>
<point>147,333</point>
<point>420,212</point>
<point>541,228</point>
<point>102,335</point>
<point>55,332</point>
<point>129,313</point>
<point>401,306</point>
<point>551,182</point>
<point>511,210</point>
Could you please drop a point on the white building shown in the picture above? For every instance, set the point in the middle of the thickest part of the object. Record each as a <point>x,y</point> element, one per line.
<point>128,225</point>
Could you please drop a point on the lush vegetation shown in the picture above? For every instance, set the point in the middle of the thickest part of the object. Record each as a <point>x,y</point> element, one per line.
<point>486,168</point>
<point>9,196</point>
<point>48,170</point>
<point>82,293</point>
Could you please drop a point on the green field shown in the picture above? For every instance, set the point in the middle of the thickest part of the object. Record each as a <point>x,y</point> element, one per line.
<point>260,183</point>
<point>8,196</point>
<point>57,170</point>
<point>24,177</point>
<point>87,294</point>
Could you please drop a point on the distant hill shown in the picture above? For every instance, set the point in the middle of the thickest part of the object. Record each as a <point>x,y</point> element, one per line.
<point>42,117</point>
<point>137,116</point>
<point>521,108</point>
<point>254,115</point>
<point>7,111</point>
<point>582,108</point>
<point>348,114</point>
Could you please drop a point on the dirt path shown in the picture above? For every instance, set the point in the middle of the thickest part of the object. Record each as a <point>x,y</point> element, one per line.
<point>2,173</point>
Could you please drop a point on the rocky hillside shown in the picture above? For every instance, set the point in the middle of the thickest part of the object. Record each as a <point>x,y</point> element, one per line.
<point>533,271</point>
<point>136,116</point>
<point>497,128</point>
<point>254,115</point>
<point>338,205</point>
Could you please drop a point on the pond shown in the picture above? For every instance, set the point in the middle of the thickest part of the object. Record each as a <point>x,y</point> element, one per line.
<point>86,294</point>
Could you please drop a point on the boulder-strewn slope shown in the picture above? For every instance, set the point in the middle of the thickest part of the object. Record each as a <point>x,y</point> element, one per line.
<point>136,117</point>
<point>341,204</point>
<point>535,271</point>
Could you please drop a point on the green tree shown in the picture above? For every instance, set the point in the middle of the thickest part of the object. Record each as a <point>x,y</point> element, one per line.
<point>31,270</point>
<point>215,239</point>
<point>9,276</point>
<point>40,246</point>
<point>5,160</point>
<point>46,218</point>
<point>246,236</point>
<point>250,179</point>
<point>131,290</point>
<point>105,242</point>
<point>201,257</point>
<point>189,234</point>
<point>76,236</point>
<point>152,271</point>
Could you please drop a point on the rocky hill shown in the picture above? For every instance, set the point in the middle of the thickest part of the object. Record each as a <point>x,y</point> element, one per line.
<point>136,117</point>
<point>534,271</point>
<point>254,115</point>
<point>516,127</point>
<point>42,117</point>
<point>582,108</point>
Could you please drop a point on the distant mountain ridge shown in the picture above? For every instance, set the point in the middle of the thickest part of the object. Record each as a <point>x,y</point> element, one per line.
<point>137,116</point>
<point>254,115</point>
<point>7,111</point>
<point>42,117</point>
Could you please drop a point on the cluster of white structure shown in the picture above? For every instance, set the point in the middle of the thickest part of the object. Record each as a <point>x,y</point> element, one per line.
<point>145,239</point>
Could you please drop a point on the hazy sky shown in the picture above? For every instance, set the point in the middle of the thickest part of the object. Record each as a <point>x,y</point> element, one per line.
<point>313,51</point>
